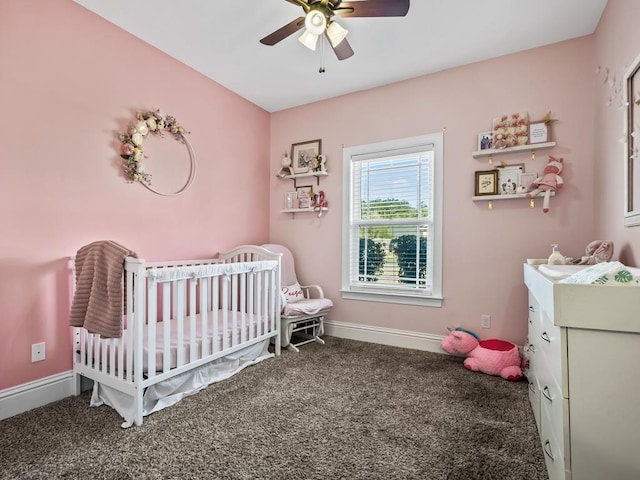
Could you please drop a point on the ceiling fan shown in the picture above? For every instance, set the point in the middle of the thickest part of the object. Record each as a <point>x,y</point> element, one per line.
<point>318,19</point>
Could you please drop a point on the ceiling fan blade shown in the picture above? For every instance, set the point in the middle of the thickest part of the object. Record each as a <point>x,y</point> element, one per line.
<point>343,50</point>
<point>373,8</point>
<point>283,32</point>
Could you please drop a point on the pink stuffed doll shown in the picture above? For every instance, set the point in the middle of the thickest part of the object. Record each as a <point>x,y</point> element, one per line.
<point>493,357</point>
<point>550,181</point>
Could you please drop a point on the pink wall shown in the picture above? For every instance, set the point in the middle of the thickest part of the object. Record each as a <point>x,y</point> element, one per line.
<point>617,43</point>
<point>69,82</point>
<point>483,250</point>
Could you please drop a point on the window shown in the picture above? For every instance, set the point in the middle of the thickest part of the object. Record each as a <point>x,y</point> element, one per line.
<point>392,240</point>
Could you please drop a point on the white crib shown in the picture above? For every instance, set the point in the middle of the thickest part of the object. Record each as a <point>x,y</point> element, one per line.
<point>213,316</point>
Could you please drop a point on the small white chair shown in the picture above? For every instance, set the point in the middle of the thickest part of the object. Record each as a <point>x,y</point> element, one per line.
<point>304,306</point>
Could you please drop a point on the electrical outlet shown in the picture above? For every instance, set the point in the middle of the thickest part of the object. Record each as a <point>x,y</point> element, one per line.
<point>485,321</point>
<point>38,352</point>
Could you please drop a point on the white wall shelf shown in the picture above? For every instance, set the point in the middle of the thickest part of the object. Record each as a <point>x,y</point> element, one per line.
<point>521,148</point>
<point>297,176</point>
<point>514,196</point>
<point>305,210</point>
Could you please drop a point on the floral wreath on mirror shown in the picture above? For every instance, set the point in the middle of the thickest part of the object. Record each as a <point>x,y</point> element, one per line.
<point>155,123</point>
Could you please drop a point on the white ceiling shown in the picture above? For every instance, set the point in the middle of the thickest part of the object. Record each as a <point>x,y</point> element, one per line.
<point>220,39</point>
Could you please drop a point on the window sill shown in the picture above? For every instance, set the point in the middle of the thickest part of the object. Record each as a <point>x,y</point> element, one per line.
<point>432,301</point>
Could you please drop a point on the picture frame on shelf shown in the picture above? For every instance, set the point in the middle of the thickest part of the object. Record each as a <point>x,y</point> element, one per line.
<point>304,194</point>
<point>526,179</point>
<point>486,182</point>
<point>509,178</point>
<point>290,200</point>
<point>538,133</point>
<point>485,141</point>
<point>304,156</point>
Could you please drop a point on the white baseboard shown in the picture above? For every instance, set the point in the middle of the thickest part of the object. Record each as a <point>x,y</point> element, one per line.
<point>385,336</point>
<point>35,394</point>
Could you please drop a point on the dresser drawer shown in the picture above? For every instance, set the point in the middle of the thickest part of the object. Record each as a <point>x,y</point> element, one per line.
<point>553,407</point>
<point>534,400</point>
<point>553,452</point>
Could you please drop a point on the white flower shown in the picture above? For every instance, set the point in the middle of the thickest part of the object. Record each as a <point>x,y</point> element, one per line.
<point>136,138</point>
<point>142,128</point>
<point>151,123</point>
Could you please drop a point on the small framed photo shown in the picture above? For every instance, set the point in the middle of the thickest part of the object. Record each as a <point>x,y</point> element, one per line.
<point>538,132</point>
<point>526,179</point>
<point>290,199</point>
<point>509,178</point>
<point>485,141</point>
<point>304,156</point>
<point>304,196</point>
<point>486,182</point>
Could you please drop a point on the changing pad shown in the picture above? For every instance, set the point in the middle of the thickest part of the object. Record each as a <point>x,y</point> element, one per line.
<point>560,271</point>
<point>606,273</point>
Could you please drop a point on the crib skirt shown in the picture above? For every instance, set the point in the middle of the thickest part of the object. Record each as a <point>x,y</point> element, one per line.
<point>169,392</point>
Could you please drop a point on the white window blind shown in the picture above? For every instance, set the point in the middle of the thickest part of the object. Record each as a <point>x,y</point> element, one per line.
<point>391,246</point>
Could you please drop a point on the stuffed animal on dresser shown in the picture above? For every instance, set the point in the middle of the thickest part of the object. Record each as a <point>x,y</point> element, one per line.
<point>493,357</point>
<point>549,182</point>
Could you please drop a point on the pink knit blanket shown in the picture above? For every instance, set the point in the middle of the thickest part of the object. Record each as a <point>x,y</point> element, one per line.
<point>98,300</point>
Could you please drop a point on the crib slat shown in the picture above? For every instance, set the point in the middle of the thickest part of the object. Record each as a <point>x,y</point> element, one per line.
<point>166,327</point>
<point>259,305</point>
<point>234,310</point>
<point>215,308</point>
<point>193,348</point>
<point>179,287</point>
<point>225,312</point>
<point>243,307</point>
<point>252,296</point>
<point>204,315</point>
<point>152,319</point>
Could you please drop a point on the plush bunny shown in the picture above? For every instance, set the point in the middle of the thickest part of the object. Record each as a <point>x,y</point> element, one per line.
<point>550,181</point>
<point>494,357</point>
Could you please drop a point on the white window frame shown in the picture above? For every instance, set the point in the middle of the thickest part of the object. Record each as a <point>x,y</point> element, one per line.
<point>434,298</point>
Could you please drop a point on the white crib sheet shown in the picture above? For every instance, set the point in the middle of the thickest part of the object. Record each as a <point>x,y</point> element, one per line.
<point>235,333</point>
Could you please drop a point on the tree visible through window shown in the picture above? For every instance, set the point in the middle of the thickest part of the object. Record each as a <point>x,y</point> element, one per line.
<point>394,232</point>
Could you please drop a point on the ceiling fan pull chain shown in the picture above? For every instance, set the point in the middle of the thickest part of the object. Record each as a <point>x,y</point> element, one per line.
<point>321,70</point>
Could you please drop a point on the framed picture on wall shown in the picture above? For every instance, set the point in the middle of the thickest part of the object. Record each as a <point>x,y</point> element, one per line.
<point>290,199</point>
<point>304,196</point>
<point>304,156</point>
<point>526,179</point>
<point>486,182</point>
<point>509,178</point>
<point>485,141</point>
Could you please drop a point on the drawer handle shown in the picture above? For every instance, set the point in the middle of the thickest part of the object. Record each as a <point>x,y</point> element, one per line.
<point>531,348</point>
<point>545,337</point>
<point>531,309</point>
<point>532,387</point>
<point>547,393</point>
<point>547,450</point>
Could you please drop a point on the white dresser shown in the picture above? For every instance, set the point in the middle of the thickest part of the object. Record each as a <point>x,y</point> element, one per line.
<point>584,377</point>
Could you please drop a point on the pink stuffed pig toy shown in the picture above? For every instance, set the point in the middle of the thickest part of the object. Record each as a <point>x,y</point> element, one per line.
<point>494,357</point>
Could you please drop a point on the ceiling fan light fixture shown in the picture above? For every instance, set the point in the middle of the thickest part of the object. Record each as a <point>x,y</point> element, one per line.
<point>315,22</point>
<point>336,33</point>
<point>309,40</point>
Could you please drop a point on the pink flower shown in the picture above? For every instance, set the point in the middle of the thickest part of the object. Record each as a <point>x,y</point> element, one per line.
<point>127,149</point>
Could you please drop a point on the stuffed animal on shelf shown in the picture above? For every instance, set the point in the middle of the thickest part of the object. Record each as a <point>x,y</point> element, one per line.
<point>493,357</point>
<point>549,182</point>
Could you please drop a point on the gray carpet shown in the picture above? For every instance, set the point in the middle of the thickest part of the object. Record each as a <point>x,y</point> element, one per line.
<point>346,410</point>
